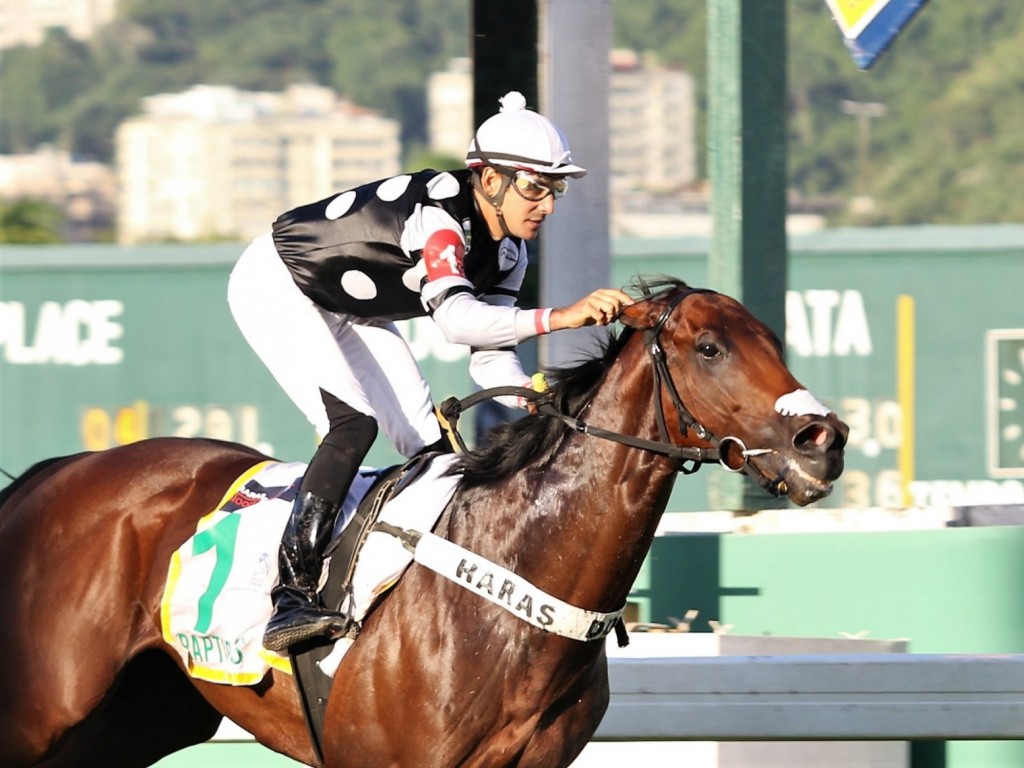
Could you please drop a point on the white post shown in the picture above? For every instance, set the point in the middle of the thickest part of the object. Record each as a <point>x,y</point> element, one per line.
<point>574,45</point>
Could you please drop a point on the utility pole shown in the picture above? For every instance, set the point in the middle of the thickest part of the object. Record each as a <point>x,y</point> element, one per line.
<point>863,111</point>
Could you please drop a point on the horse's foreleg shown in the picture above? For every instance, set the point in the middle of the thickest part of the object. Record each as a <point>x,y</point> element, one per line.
<point>52,680</point>
<point>566,727</point>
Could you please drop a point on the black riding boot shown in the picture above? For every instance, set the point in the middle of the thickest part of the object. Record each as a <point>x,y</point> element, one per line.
<point>298,614</point>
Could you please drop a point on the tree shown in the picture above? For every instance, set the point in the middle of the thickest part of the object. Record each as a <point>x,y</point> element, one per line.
<point>27,221</point>
<point>948,149</point>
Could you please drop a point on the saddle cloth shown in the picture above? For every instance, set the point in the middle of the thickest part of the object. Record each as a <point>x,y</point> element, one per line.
<point>216,602</point>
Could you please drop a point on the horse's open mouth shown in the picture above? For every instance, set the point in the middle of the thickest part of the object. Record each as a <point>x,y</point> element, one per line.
<point>803,488</point>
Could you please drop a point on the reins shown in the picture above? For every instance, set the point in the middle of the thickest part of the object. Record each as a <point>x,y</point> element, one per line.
<point>688,459</point>
<point>453,407</point>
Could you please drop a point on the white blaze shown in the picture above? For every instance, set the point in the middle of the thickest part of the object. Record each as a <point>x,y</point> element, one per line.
<point>801,403</point>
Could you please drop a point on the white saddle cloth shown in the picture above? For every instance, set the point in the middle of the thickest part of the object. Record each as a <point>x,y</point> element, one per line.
<point>216,602</point>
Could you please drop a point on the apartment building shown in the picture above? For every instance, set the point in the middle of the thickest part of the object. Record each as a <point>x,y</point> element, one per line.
<point>214,162</point>
<point>652,125</point>
<point>25,22</point>
<point>450,108</point>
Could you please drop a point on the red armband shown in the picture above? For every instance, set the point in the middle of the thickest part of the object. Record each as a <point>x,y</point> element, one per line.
<point>443,254</point>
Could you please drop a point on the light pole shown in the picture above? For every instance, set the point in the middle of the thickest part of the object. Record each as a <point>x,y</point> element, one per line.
<point>863,111</point>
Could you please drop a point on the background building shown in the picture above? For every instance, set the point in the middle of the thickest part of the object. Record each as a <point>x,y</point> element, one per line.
<point>450,108</point>
<point>25,22</point>
<point>218,163</point>
<point>652,126</point>
<point>84,190</point>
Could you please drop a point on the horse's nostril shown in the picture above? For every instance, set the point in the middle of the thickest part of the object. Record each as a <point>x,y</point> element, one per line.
<point>815,436</point>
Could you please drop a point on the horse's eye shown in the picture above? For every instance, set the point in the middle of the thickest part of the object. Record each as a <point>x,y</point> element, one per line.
<point>708,350</point>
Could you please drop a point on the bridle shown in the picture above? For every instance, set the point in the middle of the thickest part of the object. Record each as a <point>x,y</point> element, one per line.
<point>686,420</point>
<point>686,459</point>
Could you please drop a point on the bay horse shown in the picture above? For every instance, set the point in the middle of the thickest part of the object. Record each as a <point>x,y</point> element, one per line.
<point>438,677</point>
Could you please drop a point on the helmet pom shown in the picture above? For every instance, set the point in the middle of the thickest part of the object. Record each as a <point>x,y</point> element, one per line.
<point>513,101</point>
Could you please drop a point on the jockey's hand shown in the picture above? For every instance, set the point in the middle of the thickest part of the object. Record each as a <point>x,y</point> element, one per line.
<point>599,308</point>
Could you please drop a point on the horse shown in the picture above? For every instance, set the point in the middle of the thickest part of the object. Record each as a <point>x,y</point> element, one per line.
<point>567,497</point>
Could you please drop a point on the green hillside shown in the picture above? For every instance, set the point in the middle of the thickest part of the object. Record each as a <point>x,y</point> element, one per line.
<point>947,150</point>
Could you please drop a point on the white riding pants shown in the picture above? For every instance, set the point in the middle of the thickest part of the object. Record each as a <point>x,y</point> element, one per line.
<point>306,349</point>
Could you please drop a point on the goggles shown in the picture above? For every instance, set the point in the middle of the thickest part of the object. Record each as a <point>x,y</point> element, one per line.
<point>536,186</point>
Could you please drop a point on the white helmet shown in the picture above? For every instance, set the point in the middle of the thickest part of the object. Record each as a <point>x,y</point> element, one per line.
<point>520,138</point>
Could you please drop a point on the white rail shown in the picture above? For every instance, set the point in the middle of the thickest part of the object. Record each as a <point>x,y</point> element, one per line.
<point>849,697</point>
<point>722,688</point>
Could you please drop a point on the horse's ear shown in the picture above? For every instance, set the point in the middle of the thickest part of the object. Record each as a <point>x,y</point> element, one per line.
<point>642,314</point>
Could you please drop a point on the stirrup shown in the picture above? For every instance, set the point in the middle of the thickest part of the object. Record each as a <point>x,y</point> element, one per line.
<point>329,626</point>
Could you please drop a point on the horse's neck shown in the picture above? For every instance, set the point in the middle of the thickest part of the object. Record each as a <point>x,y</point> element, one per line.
<point>596,510</point>
<point>628,487</point>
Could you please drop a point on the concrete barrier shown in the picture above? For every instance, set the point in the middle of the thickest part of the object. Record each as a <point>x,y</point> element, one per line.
<point>820,697</point>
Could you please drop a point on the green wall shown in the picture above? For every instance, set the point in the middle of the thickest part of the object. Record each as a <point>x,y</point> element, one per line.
<point>950,590</point>
<point>105,345</point>
<point>101,344</point>
<point>968,379</point>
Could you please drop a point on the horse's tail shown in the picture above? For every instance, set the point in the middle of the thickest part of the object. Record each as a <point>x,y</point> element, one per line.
<point>25,476</point>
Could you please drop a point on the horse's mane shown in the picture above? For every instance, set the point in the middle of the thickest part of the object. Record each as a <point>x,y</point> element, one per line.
<point>510,446</point>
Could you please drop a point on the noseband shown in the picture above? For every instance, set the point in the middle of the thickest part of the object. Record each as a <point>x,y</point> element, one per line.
<point>686,459</point>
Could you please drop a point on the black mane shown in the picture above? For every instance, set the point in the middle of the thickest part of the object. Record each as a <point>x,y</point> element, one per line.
<point>509,447</point>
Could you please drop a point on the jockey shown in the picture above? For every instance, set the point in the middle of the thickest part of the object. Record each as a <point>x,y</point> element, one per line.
<point>316,299</point>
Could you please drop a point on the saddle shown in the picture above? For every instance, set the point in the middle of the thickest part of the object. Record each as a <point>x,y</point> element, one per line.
<point>314,684</point>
